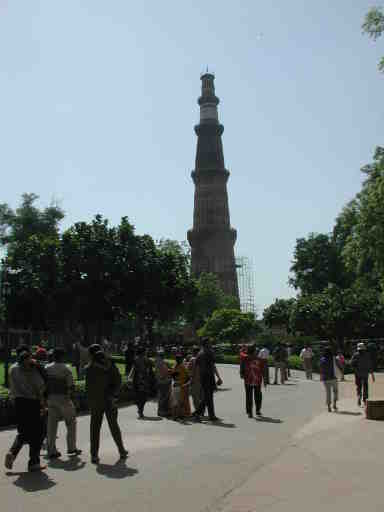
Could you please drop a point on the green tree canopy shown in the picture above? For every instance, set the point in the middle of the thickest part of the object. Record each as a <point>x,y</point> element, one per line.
<point>230,325</point>
<point>16,226</point>
<point>278,314</point>
<point>373,26</point>
<point>208,298</point>
<point>316,263</point>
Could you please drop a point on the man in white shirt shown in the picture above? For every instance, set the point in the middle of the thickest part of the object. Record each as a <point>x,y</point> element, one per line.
<point>264,355</point>
<point>60,405</point>
<point>306,356</point>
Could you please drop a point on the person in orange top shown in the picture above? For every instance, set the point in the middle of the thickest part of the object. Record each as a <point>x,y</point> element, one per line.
<point>252,372</point>
<point>181,406</point>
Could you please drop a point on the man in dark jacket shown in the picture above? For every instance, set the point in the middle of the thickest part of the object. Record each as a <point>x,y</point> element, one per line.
<point>361,363</point>
<point>27,390</point>
<point>103,383</point>
<point>205,364</point>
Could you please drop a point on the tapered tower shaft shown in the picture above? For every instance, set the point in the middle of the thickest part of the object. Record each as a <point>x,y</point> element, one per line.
<point>212,239</point>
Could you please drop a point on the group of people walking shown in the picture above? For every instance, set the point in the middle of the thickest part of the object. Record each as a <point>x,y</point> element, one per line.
<point>43,391</point>
<point>332,367</point>
<point>42,394</point>
<point>195,375</point>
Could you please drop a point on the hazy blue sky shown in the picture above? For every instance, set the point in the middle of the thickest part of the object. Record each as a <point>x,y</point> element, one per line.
<point>98,104</point>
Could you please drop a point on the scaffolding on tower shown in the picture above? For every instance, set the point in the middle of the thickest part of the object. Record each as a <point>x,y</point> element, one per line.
<point>246,279</point>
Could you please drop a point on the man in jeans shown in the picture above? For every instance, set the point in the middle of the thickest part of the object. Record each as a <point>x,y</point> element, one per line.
<point>27,389</point>
<point>361,363</point>
<point>60,405</point>
<point>103,383</point>
<point>328,377</point>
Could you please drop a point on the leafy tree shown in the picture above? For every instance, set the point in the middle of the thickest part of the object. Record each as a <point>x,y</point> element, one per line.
<point>278,314</point>
<point>338,313</point>
<point>229,325</point>
<point>373,26</point>
<point>208,298</point>
<point>33,273</point>
<point>16,226</point>
<point>316,263</point>
<point>306,315</point>
<point>364,248</point>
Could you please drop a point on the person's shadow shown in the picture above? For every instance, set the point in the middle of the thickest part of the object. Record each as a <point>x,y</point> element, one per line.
<point>349,413</point>
<point>219,423</point>
<point>152,418</point>
<point>267,419</point>
<point>32,482</point>
<point>117,471</point>
<point>72,464</point>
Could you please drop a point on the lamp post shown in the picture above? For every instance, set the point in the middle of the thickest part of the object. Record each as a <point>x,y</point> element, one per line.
<point>4,299</point>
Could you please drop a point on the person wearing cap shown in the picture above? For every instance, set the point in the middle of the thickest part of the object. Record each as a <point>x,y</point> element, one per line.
<point>27,390</point>
<point>60,405</point>
<point>361,363</point>
<point>102,384</point>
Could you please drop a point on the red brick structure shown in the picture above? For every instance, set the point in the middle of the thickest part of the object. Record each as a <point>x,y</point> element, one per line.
<point>212,239</point>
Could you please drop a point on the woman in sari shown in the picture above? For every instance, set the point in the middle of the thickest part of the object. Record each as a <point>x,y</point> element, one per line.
<point>181,380</point>
<point>163,378</point>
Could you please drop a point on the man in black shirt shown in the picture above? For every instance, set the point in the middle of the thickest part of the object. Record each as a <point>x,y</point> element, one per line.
<point>205,363</point>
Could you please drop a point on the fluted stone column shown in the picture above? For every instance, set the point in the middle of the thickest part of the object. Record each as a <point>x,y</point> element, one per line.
<point>212,239</point>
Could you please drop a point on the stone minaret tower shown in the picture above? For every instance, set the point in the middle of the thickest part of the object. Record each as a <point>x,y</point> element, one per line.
<point>212,239</point>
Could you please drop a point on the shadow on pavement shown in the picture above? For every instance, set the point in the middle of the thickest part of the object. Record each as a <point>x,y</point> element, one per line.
<point>349,413</point>
<point>184,421</point>
<point>118,471</point>
<point>224,389</point>
<point>151,418</point>
<point>221,424</point>
<point>32,482</point>
<point>72,464</point>
<point>267,419</point>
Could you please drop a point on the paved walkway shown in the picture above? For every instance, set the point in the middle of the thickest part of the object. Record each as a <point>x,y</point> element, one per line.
<point>296,457</point>
<point>332,463</point>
